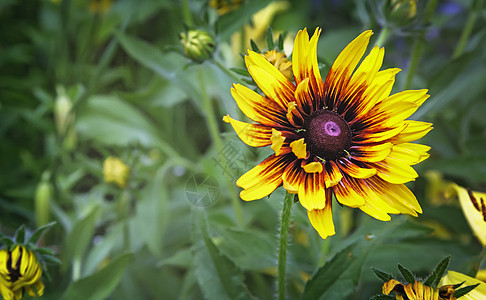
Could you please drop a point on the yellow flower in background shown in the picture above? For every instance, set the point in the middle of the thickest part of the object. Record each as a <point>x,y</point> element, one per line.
<point>279,60</point>
<point>224,6</point>
<point>345,136</point>
<point>474,208</point>
<point>116,171</point>
<point>19,271</point>
<point>478,293</point>
<point>100,6</point>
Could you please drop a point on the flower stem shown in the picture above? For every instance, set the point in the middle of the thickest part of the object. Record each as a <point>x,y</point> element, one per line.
<point>283,245</point>
<point>466,32</point>
<point>384,34</point>
<point>226,71</point>
<point>214,131</point>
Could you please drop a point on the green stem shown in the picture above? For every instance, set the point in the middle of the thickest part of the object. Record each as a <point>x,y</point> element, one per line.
<point>414,60</point>
<point>466,32</point>
<point>186,12</point>
<point>283,245</point>
<point>418,45</point>
<point>214,131</point>
<point>384,34</point>
<point>76,269</point>
<point>226,71</point>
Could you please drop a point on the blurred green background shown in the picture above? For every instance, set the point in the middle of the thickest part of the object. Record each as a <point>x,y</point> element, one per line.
<point>81,81</point>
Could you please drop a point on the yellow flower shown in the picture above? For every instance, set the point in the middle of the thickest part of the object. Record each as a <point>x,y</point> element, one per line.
<point>477,293</point>
<point>346,136</point>
<point>280,61</point>
<point>100,6</point>
<point>224,6</point>
<point>417,290</point>
<point>19,271</point>
<point>474,207</point>
<point>116,171</point>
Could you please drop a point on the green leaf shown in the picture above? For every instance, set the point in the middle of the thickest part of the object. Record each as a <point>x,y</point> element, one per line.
<point>19,236</point>
<point>382,275</point>
<point>327,275</point>
<point>463,291</point>
<point>101,284</point>
<point>38,233</point>
<point>79,238</point>
<point>434,278</point>
<point>152,213</point>
<point>240,71</point>
<point>406,274</point>
<point>254,46</point>
<point>280,42</point>
<point>269,37</point>
<point>217,275</point>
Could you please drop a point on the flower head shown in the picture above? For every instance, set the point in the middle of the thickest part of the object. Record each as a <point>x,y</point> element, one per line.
<point>116,171</point>
<point>19,271</point>
<point>280,61</point>
<point>479,292</point>
<point>345,136</point>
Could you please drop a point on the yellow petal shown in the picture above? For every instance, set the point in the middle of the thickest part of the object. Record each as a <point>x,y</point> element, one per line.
<point>310,186</point>
<point>473,215</point>
<point>349,193</point>
<point>389,286</point>
<point>313,167</point>
<point>277,141</point>
<point>345,64</point>
<point>332,175</point>
<point>413,131</point>
<point>354,170</point>
<point>304,62</point>
<point>372,153</point>
<point>395,171</point>
<point>454,278</point>
<point>269,79</point>
<point>299,148</point>
<point>294,116</point>
<point>263,178</point>
<point>321,220</point>
<point>378,90</point>
<point>254,135</point>
<point>257,107</point>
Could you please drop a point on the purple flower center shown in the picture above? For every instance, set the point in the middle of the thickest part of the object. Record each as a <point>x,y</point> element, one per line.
<point>327,134</point>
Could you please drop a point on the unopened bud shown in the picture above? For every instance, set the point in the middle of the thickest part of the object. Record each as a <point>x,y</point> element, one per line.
<point>198,45</point>
<point>402,11</point>
<point>43,195</point>
<point>116,171</point>
<point>280,61</point>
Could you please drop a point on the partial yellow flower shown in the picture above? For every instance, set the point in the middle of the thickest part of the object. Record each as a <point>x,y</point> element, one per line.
<point>116,171</point>
<point>477,293</point>
<point>224,6</point>
<point>417,290</point>
<point>474,208</point>
<point>100,6</point>
<point>345,135</point>
<point>19,271</point>
<point>280,61</point>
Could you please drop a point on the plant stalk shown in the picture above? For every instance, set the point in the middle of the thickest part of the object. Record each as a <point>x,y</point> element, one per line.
<point>283,245</point>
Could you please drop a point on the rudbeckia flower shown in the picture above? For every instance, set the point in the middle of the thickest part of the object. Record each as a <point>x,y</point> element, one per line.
<point>345,136</point>
<point>479,292</point>
<point>19,271</point>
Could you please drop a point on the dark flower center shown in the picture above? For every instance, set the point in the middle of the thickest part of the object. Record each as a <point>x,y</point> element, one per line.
<point>327,134</point>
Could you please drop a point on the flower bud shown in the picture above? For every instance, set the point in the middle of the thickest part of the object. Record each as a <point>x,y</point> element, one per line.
<point>402,11</point>
<point>43,195</point>
<point>198,45</point>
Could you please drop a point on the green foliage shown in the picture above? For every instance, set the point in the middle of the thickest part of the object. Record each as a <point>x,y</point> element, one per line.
<point>79,84</point>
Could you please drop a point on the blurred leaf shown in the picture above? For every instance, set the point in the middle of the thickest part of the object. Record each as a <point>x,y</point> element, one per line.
<point>152,212</point>
<point>218,276</point>
<point>19,236</point>
<point>269,37</point>
<point>111,121</point>
<point>101,284</point>
<point>231,22</point>
<point>102,249</point>
<point>329,274</point>
<point>79,238</point>
<point>471,167</point>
